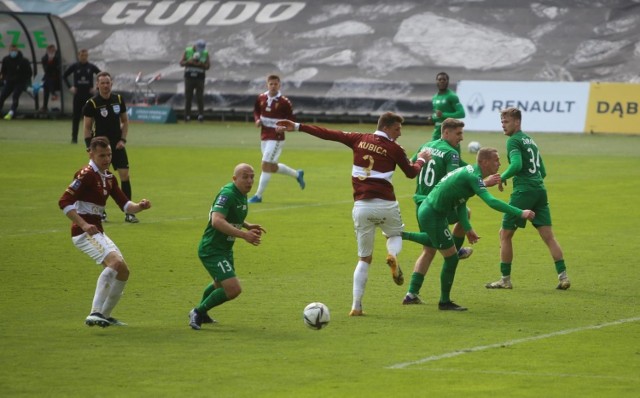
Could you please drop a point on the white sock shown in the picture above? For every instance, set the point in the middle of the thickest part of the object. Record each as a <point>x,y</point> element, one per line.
<point>264,181</point>
<point>114,296</point>
<point>105,280</point>
<point>394,245</point>
<point>284,169</point>
<point>360,276</point>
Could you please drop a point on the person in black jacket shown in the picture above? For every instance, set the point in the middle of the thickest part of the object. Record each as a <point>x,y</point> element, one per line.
<point>83,88</point>
<point>51,79</point>
<point>16,74</point>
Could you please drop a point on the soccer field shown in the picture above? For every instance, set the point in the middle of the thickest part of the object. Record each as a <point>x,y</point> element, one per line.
<point>532,341</point>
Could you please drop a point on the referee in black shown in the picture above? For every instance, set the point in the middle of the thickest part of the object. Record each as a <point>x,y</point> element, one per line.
<point>82,88</point>
<point>106,113</point>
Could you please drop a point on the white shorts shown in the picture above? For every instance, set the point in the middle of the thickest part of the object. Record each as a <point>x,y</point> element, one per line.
<point>97,246</point>
<point>371,213</point>
<point>271,150</point>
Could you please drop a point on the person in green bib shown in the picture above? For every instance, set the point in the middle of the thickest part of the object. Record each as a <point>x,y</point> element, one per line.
<point>446,104</point>
<point>195,61</point>
<point>226,222</point>
<point>451,194</point>
<point>528,172</point>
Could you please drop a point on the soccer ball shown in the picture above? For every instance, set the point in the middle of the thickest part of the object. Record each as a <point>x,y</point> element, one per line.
<point>474,147</point>
<point>316,316</point>
<point>196,55</point>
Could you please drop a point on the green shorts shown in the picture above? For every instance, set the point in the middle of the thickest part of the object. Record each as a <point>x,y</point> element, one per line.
<point>220,266</point>
<point>452,216</point>
<point>436,226</point>
<point>528,200</point>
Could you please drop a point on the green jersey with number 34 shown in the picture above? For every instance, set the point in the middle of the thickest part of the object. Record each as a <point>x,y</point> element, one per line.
<point>531,173</point>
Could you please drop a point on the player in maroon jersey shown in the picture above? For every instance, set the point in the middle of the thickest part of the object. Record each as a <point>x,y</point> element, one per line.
<point>375,157</point>
<point>83,203</point>
<point>270,107</point>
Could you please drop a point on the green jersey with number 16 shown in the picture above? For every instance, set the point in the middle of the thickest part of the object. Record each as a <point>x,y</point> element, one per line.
<point>444,158</point>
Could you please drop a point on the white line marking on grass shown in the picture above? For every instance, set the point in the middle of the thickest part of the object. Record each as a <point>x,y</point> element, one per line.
<point>508,343</point>
<point>535,374</point>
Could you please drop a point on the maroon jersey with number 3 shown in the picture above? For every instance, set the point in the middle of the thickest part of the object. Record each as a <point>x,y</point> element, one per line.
<point>375,158</point>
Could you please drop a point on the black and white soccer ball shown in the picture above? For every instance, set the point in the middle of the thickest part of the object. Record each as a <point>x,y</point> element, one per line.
<point>474,147</point>
<point>316,316</point>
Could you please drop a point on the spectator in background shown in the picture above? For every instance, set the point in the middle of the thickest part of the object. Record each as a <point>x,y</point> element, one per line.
<point>16,74</point>
<point>52,73</point>
<point>446,104</point>
<point>195,61</point>
<point>270,107</point>
<point>82,87</point>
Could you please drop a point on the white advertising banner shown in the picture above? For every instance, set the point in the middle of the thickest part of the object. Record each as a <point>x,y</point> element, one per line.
<point>554,107</point>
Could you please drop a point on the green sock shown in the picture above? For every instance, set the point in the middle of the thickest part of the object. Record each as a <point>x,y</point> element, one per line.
<point>505,268</point>
<point>446,277</point>
<point>560,267</point>
<point>216,298</point>
<point>207,291</point>
<point>418,237</point>
<point>416,283</point>
<point>458,241</point>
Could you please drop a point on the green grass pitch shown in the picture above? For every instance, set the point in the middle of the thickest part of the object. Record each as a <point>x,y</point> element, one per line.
<point>533,341</point>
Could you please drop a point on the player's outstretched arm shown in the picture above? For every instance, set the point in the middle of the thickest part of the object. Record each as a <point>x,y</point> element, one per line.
<point>285,125</point>
<point>134,207</point>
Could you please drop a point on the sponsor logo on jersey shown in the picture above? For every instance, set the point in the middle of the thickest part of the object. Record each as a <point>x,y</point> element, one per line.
<point>222,200</point>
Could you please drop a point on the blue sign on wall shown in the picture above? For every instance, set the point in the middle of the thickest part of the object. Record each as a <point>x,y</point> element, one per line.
<point>151,114</point>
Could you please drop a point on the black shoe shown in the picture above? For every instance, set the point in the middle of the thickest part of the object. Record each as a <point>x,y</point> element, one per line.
<point>205,318</point>
<point>450,306</point>
<point>114,322</point>
<point>194,320</point>
<point>104,216</point>
<point>74,140</point>
<point>201,118</point>
<point>131,218</point>
<point>97,319</point>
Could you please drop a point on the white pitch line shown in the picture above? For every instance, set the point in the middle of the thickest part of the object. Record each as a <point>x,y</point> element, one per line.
<point>508,343</point>
<point>536,374</point>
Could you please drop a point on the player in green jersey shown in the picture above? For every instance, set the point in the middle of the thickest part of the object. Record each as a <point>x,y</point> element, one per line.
<point>528,172</point>
<point>226,220</point>
<point>446,104</point>
<point>451,194</point>
<point>444,159</point>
